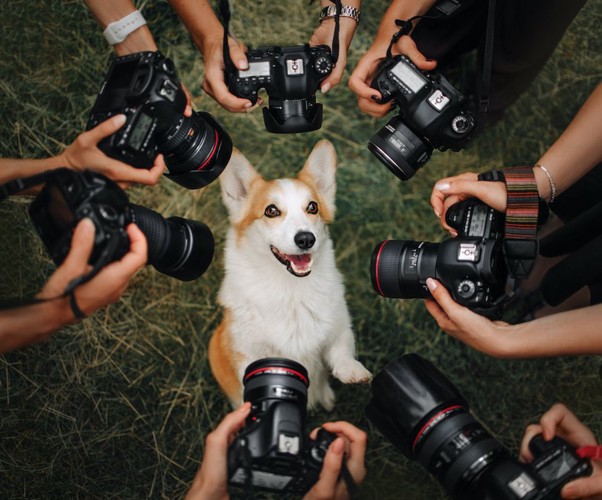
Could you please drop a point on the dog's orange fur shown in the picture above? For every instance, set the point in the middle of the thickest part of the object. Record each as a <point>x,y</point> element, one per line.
<point>222,359</point>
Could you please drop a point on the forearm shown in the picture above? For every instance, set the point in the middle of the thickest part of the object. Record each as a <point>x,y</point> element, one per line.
<point>22,326</point>
<point>199,19</point>
<point>576,332</point>
<point>576,151</point>
<point>11,168</point>
<point>108,11</point>
<point>399,9</point>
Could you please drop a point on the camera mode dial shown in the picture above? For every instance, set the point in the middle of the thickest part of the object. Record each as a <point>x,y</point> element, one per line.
<point>461,124</point>
<point>323,65</point>
<point>466,289</point>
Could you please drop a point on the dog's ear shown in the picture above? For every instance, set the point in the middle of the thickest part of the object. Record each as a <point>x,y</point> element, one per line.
<point>319,171</point>
<point>236,180</point>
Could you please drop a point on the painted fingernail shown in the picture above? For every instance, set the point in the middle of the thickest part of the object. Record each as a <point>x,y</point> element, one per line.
<point>325,88</point>
<point>248,104</point>
<point>431,284</point>
<point>437,213</point>
<point>119,119</point>
<point>453,233</point>
<point>374,98</point>
<point>442,186</point>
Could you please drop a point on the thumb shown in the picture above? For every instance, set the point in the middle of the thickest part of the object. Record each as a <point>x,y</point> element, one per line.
<point>407,46</point>
<point>107,128</point>
<point>584,487</point>
<point>237,54</point>
<point>491,193</point>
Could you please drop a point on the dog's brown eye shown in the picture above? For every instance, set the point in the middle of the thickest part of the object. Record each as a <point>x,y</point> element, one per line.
<point>312,208</point>
<point>272,211</point>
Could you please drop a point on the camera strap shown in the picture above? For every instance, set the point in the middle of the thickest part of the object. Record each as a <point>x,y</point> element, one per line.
<point>591,452</point>
<point>449,8</point>
<point>17,185</point>
<point>520,245</point>
<point>225,12</point>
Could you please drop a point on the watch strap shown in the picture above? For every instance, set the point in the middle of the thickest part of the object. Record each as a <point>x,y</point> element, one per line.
<point>117,31</point>
<point>346,11</point>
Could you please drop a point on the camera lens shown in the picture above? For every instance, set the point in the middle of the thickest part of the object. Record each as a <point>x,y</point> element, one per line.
<point>400,149</point>
<point>196,145</point>
<point>423,414</point>
<point>272,379</point>
<point>399,268</point>
<point>180,248</point>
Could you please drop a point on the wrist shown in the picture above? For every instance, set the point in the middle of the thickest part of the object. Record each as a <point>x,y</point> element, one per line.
<point>140,40</point>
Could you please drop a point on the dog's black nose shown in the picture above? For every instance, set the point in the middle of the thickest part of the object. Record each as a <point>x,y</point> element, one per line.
<point>305,240</point>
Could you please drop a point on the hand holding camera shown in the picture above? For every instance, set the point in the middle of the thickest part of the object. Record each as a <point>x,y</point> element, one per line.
<point>426,418</point>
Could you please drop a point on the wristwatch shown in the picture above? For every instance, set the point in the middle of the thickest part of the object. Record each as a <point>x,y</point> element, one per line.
<point>346,11</point>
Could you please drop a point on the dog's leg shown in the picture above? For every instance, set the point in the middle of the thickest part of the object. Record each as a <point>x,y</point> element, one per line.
<point>340,356</point>
<point>223,362</point>
<point>320,390</point>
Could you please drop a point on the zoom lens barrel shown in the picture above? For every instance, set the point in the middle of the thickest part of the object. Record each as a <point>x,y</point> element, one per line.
<point>180,248</point>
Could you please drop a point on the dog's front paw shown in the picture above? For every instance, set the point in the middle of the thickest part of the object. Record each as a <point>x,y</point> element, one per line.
<point>352,372</point>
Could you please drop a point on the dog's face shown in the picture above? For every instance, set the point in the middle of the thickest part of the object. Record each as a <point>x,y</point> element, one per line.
<point>284,218</point>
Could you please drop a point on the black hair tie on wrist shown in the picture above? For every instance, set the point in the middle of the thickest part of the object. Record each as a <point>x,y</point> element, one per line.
<point>77,312</point>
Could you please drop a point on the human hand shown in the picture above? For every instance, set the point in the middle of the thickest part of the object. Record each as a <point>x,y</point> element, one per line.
<point>491,337</point>
<point>83,153</point>
<point>323,35</point>
<point>562,422</point>
<point>214,82</point>
<point>350,445</point>
<point>108,285</point>
<point>451,190</point>
<point>361,77</point>
<point>211,480</point>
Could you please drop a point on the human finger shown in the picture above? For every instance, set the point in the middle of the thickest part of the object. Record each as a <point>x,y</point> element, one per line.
<point>106,128</point>
<point>218,440</point>
<point>237,54</point>
<point>584,487</point>
<point>218,89</point>
<point>82,243</point>
<point>358,441</point>
<point>440,316</point>
<point>491,193</point>
<point>559,420</point>
<point>530,432</point>
<point>188,109</point>
<point>406,45</point>
<point>437,196</point>
<point>325,487</point>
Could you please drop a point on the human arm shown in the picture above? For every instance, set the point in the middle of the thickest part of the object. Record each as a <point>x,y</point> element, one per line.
<point>361,77</point>
<point>575,152</point>
<point>207,34</point>
<point>553,335</point>
<point>28,324</point>
<point>84,153</point>
<point>324,34</point>
<point>562,422</point>
<point>211,480</point>
<point>350,446</point>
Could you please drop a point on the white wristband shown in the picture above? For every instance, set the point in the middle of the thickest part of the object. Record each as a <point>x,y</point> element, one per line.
<point>117,31</point>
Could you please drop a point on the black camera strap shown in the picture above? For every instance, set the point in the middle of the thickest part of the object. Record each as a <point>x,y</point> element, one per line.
<point>449,8</point>
<point>225,12</point>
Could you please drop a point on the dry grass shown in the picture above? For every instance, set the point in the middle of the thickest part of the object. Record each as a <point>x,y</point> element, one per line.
<point>117,406</point>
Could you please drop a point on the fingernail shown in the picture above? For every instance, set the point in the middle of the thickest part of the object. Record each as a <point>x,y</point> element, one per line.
<point>325,88</point>
<point>442,186</point>
<point>453,233</point>
<point>569,491</point>
<point>437,213</point>
<point>87,225</point>
<point>119,119</point>
<point>337,446</point>
<point>374,98</point>
<point>242,64</point>
<point>431,284</point>
<point>248,105</point>
<point>430,60</point>
<point>244,407</point>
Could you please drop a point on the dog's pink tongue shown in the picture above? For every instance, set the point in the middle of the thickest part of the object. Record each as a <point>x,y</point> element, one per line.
<point>300,261</point>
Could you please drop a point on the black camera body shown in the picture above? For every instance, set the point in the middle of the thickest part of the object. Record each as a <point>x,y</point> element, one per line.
<point>426,418</point>
<point>180,248</point>
<point>432,114</point>
<point>274,451</point>
<point>471,266</point>
<point>145,87</point>
<point>291,76</point>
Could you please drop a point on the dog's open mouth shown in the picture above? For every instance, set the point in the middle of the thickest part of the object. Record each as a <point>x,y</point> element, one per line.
<point>298,265</point>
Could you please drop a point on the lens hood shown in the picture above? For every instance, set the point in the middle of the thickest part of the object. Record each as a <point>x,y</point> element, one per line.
<point>406,394</point>
<point>284,120</point>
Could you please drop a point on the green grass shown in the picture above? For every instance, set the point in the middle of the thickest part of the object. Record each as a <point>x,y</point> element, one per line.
<point>118,405</point>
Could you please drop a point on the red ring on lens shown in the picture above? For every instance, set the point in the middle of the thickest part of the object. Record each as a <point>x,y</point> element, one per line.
<point>377,268</point>
<point>210,157</point>
<point>430,421</point>
<point>278,370</point>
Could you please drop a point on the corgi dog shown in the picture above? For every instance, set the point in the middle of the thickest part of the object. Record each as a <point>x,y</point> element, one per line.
<point>282,293</point>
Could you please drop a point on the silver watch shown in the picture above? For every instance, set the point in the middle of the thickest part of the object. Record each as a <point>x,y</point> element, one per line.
<point>346,11</point>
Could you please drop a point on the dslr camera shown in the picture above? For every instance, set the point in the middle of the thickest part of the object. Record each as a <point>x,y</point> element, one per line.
<point>471,266</point>
<point>432,114</point>
<point>274,451</point>
<point>180,248</point>
<point>291,76</point>
<point>426,418</point>
<point>145,87</point>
